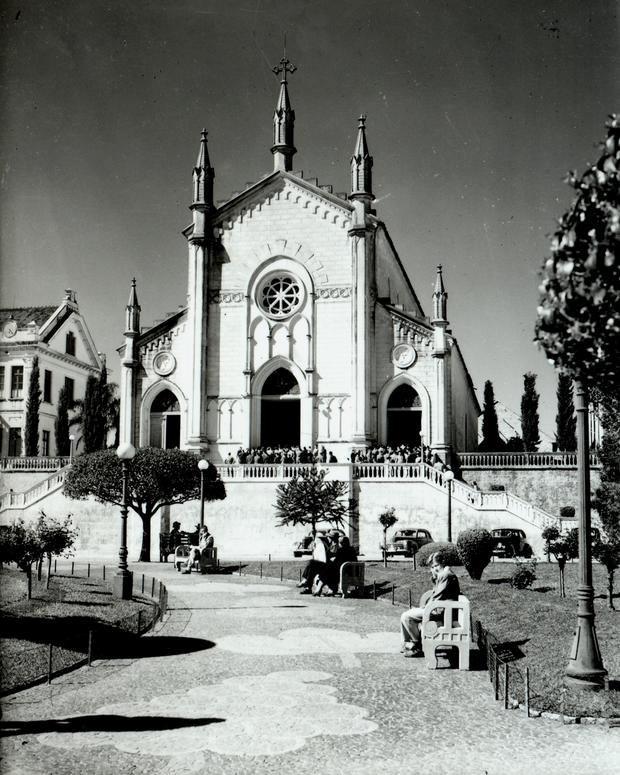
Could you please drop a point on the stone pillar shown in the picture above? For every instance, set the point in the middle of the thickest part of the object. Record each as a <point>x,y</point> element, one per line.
<point>196,410</point>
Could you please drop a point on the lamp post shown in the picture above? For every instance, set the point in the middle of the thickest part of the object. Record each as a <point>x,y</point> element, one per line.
<point>123,580</point>
<point>203,465</point>
<point>449,476</point>
<point>585,665</point>
<point>422,446</point>
<point>71,440</point>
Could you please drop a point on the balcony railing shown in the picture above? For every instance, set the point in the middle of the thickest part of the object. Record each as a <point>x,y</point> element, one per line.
<point>10,464</point>
<point>522,459</point>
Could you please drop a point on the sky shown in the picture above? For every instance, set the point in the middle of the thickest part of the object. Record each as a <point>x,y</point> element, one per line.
<point>476,111</point>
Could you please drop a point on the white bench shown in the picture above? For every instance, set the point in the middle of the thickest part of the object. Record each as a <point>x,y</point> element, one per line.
<point>351,577</point>
<point>207,562</point>
<point>452,631</point>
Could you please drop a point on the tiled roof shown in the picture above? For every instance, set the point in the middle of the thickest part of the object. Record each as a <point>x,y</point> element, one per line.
<point>25,315</point>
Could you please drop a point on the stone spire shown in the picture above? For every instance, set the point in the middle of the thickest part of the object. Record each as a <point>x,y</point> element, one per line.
<point>283,148</point>
<point>440,300</point>
<point>203,176</point>
<point>132,315</point>
<point>361,166</point>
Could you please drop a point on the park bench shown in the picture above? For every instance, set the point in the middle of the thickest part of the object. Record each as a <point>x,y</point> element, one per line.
<point>351,578</point>
<point>451,631</point>
<point>206,564</point>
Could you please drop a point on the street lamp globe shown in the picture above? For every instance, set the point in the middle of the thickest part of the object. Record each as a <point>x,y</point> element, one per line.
<point>126,451</point>
<point>71,437</point>
<point>448,475</point>
<point>203,464</point>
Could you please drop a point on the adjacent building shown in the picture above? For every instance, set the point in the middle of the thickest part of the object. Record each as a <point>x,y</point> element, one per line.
<point>59,337</point>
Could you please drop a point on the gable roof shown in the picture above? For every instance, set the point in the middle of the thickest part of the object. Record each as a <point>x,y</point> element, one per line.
<point>235,203</point>
<point>24,316</point>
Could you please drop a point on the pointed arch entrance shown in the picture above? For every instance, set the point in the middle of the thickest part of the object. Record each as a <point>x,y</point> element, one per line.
<point>404,416</point>
<point>165,421</point>
<point>280,410</point>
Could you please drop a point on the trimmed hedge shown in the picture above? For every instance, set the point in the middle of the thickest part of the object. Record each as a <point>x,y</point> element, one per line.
<point>450,550</point>
<point>475,547</point>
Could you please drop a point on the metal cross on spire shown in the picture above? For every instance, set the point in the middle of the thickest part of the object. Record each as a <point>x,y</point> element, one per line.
<point>284,67</point>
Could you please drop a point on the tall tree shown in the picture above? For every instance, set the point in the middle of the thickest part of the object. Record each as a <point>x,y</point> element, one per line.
<point>529,413</point>
<point>31,432</point>
<point>91,415</point>
<point>157,477</point>
<point>491,440</point>
<point>565,420</point>
<point>61,425</point>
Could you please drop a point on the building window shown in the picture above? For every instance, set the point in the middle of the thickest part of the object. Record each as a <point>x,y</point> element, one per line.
<point>15,442</point>
<point>1,380</point>
<point>70,343</point>
<point>280,295</point>
<point>45,444</point>
<point>47,386</point>
<point>69,389</point>
<point>17,381</point>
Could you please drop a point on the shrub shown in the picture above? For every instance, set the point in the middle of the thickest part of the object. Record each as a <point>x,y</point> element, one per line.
<point>567,511</point>
<point>524,575</point>
<point>451,553</point>
<point>475,547</point>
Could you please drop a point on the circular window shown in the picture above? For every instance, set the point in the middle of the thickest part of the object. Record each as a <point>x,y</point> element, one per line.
<point>280,295</point>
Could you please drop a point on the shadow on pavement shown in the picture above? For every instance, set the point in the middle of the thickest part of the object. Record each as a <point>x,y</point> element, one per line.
<point>102,723</point>
<point>124,646</point>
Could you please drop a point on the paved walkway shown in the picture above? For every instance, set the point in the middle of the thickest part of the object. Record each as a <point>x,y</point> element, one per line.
<point>247,676</point>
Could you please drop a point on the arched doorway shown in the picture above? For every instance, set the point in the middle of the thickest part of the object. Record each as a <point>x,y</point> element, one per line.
<point>280,410</point>
<point>165,425</point>
<point>404,417</point>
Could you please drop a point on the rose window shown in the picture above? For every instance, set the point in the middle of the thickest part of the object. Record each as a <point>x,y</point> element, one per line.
<point>280,295</point>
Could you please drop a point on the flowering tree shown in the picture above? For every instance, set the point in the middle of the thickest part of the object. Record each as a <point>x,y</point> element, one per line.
<point>578,322</point>
<point>308,499</point>
<point>387,519</point>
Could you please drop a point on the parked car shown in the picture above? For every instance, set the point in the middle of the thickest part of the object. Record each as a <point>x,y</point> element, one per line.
<point>510,542</point>
<point>407,541</point>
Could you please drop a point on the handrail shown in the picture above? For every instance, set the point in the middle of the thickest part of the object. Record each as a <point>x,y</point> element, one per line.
<point>20,500</point>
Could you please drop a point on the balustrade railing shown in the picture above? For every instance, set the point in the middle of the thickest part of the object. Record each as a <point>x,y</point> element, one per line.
<point>9,464</point>
<point>522,459</point>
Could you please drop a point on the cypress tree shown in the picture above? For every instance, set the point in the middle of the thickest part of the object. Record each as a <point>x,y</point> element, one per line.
<point>31,432</point>
<point>491,440</point>
<point>529,413</point>
<point>565,420</point>
<point>103,397</point>
<point>61,425</point>
<point>91,415</point>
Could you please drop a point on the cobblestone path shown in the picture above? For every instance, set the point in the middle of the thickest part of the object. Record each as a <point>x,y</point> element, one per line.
<point>248,676</point>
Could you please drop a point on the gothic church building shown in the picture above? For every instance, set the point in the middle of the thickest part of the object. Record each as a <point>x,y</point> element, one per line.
<point>301,326</point>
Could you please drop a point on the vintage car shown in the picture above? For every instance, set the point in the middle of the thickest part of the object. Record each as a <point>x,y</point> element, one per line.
<point>407,541</point>
<point>303,547</point>
<point>510,542</point>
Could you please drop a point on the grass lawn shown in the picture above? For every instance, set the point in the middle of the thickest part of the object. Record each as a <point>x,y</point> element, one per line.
<point>537,625</point>
<point>61,615</point>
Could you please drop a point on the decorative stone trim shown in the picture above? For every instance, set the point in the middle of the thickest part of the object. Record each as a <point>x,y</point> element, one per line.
<point>225,297</point>
<point>334,293</point>
<point>162,342</point>
<point>164,363</point>
<point>408,331</point>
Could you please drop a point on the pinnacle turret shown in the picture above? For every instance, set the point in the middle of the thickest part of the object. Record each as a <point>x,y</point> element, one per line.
<point>203,176</point>
<point>283,148</point>
<point>361,165</point>
<point>440,300</point>
<point>132,315</point>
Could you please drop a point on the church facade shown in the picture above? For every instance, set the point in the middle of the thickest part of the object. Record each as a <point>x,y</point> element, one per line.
<point>301,326</point>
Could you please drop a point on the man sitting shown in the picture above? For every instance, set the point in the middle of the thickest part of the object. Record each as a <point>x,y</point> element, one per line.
<point>446,588</point>
<point>205,541</point>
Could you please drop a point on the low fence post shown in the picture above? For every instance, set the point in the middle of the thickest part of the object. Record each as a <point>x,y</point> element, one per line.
<point>261,570</point>
<point>527,692</point>
<point>281,571</point>
<point>54,566</point>
<point>72,566</point>
<point>506,684</point>
<point>300,575</point>
<point>374,590</point>
<point>104,572</point>
<point>153,587</point>
<point>88,571</point>
<point>393,594</point>
<point>410,602</point>
<point>139,621</point>
<point>49,665</point>
<point>143,583</point>
<point>495,674</point>
<point>270,557</point>
<point>90,647</point>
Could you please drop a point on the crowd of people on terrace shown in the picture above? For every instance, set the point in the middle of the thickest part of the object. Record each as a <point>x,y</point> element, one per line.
<point>403,453</point>
<point>277,454</point>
